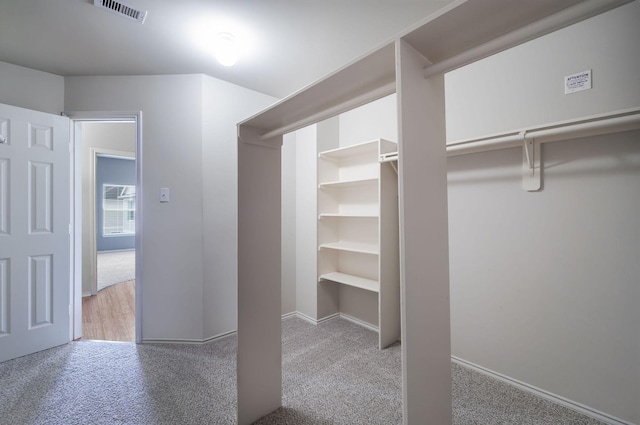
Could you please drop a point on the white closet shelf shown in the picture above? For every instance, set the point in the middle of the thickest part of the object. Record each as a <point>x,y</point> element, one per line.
<point>350,280</point>
<point>362,248</point>
<point>347,215</point>
<point>370,147</point>
<point>348,183</point>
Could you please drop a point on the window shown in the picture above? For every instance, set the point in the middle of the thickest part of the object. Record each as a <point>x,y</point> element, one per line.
<point>118,210</point>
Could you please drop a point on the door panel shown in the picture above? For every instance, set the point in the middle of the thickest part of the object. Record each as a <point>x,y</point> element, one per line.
<point>4,195</point>
<point>35,286</point>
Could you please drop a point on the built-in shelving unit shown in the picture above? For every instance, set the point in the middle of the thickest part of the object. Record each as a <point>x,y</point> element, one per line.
<point>399,66</point>
<point>358,227</point>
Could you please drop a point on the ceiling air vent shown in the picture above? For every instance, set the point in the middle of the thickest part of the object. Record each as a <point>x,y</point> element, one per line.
<point>122,9</point>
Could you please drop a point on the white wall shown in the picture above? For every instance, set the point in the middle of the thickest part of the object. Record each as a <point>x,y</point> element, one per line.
<point>523,86</point>
<point>544,286</point>
<point>306,222</point>
<point>189,142</point>
<point>328,293</point>
<point>189,145</point>
<point>172,305</point>
<point>288,223</point>
<point>369,122</point>
<point>31,89</point>
<point>224,105</point>
<point>98,135</point>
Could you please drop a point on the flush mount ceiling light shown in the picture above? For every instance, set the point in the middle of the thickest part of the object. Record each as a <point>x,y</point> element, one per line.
<point>222,38</point>
<point>226,49</point>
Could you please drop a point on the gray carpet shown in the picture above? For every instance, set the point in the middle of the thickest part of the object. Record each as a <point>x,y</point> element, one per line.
<point>333,374</point>
<point>115,267</point>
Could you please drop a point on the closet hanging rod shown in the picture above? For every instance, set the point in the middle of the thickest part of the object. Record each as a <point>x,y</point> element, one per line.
<point>625,120</point>
<point>388,157</point>
<point>391,158</point>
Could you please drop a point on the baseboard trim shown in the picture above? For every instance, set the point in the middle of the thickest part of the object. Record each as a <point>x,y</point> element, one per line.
<point>328,318</point>
<point>331,317</point>
<point>284,317</point>
<point>578,407</point>
<point>304,317</point>
<point>188,341</point>
<point>218,337</point>
<point>359,322</point>
<point>172,341</point>
<point>87,294</point>
<point>116,250</point>
<point>290,315</point>
<point>310,319</point>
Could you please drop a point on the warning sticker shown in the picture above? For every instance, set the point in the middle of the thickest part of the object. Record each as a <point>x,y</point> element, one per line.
<point>577,82</point>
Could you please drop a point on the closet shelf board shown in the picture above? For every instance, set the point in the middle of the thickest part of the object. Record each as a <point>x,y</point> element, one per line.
<point>350,280</point>
<point>361,248</point>
<point>340,215</point>
<point>370,147</point>
<point>347,184</point>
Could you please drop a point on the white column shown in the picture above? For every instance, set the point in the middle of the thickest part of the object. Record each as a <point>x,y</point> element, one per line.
<point>424,252</point>
<point>259,369</point>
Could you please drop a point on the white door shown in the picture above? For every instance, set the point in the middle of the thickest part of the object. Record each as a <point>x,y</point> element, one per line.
<point>35,288</point>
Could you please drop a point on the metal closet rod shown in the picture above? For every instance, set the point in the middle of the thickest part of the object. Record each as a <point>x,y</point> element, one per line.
<point>624,120</point>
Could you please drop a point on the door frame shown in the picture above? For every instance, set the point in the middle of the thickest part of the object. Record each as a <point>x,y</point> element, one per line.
<point>76,118</point>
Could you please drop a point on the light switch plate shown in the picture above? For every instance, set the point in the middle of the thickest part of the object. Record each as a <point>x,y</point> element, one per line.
<point>164,194</point>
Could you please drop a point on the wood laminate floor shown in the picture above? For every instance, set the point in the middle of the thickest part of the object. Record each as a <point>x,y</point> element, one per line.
<point>110,315</point>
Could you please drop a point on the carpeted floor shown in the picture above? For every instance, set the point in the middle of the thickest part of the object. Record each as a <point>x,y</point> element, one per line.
<point>115,267</point>
<point>332,374</point>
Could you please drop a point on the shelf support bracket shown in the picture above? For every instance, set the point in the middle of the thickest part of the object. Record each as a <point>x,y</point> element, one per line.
<point>531,163</point>
<point>391,158</point>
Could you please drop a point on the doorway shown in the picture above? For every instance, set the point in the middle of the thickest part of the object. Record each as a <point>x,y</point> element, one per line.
<point>107,280</point>
<point>109,311</point>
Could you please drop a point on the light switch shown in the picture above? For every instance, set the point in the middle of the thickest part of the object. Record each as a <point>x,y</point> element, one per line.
<point>164,194</point>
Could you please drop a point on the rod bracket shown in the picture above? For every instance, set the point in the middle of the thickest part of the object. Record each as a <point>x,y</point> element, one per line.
<point>531,163</point>
<point>391,158</point>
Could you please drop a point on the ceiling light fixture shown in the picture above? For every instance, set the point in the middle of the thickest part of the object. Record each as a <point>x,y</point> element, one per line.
<point>223,39</point>
<point>226,49</point>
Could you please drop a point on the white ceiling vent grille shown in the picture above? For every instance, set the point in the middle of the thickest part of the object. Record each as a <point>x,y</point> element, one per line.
<point>122,9</point>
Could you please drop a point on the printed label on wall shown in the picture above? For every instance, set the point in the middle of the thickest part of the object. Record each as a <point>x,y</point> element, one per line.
<point>577,82</point>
